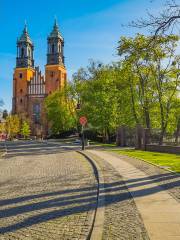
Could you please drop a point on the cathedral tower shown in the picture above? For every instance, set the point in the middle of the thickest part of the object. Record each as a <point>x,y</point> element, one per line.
<point>23,73</point>
<point>55,71</point>
<point>30,88</point>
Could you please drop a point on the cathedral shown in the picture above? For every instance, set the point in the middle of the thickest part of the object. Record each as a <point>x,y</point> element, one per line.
<point>30,86</point>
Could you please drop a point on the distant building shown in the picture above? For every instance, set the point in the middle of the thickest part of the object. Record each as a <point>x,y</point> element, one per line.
<point>30,87</point>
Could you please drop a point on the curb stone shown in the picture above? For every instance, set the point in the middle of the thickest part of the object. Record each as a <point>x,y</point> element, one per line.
<point>96,230</point>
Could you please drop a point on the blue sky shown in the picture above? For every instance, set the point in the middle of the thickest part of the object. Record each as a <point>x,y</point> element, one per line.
<point>91,29</point>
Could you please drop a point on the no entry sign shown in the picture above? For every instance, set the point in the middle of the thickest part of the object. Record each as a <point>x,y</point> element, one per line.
<point>83,121</point>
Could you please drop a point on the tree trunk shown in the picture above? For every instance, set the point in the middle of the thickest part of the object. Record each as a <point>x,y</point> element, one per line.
<point>107,136</point>
<point>133,105</point>
<point>177,132</point>
<point>162,135</point>
<point>104,136</point>
<point>147,118</point>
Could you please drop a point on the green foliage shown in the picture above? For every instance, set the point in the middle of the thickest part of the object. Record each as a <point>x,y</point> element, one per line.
<point>102,102</point>
<point>12,126</point>
<point>162,159</point>
<point>2,127</point>
<point>153,69</point>
<point>25,129</point>
<point>60,109</point>
<point>142,88</point>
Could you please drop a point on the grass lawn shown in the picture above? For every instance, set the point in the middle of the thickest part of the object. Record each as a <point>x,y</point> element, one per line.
<point>102,144</point>
<point>171,161</point>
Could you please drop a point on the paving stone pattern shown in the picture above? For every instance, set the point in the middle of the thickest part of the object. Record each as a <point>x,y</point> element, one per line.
<point>122,219</point>
<point>167,180</point>
<point>45,196</point>
<point>159,210</point>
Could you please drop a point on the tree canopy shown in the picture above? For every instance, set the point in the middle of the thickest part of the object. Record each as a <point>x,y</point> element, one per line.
<point>25,129</point>
<point>61,111</point>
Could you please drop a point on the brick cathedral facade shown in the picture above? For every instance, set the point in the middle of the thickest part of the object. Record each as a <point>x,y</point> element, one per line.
<point>30,87</point>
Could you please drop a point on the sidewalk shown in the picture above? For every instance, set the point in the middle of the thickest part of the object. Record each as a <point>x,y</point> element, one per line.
<point>159,210</point>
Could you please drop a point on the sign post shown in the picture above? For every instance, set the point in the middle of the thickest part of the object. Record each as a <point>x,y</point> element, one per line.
<point>83,143</point>
<point>83,122</point>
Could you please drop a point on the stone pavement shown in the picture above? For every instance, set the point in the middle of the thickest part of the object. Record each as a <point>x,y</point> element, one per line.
<point>45,193</point>
<point>160,212</point>
<point>121,217</point>
<point>48,191</point>
<point>167,180</point>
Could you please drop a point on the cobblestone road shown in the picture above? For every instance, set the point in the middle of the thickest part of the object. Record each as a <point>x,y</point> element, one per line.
<point>45,193</point>
<point>48,191</point>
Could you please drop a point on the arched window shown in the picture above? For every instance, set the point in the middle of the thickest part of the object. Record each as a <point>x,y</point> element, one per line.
<point>52,48</point>
<point>36,113</point>
<point>59,48</point>
<point>22,52</point>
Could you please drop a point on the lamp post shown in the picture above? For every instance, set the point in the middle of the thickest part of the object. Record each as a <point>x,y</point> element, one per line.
<point>83,122</point>
<point>83,143</point>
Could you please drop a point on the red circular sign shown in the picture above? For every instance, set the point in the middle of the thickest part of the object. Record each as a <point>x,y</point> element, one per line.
<point>83,121</point>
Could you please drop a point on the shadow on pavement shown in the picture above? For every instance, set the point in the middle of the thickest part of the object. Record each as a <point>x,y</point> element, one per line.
<point>59,204</point>
<point>20,149</point>
<point>82,200</point>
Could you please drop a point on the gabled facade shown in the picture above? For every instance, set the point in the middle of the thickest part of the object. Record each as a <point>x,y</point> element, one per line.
<point>30,87</point>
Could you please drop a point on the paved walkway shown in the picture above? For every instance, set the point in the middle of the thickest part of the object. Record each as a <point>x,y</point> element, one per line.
<point>46,192</point>
<point>159,210</point>
<point>120,219</point>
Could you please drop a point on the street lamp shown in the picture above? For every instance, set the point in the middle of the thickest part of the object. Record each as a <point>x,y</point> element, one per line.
<point>83,122</point>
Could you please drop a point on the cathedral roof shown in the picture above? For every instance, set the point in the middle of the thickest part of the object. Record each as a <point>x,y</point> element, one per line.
<point>55,32</point>
<point>25,36</point>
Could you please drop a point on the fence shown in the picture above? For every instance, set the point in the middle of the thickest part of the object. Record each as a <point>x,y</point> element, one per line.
<point>149,140</point>
<point>169,139</point>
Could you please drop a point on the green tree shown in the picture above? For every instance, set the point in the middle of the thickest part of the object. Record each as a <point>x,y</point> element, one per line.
<point>103,97</point>
<point>142,88</point>
<point>154,73</point>
<point>12,126</point>
<point>60,111</point>
<point>2,127</point>
<point>137,70</point>
<point>25,129</point>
